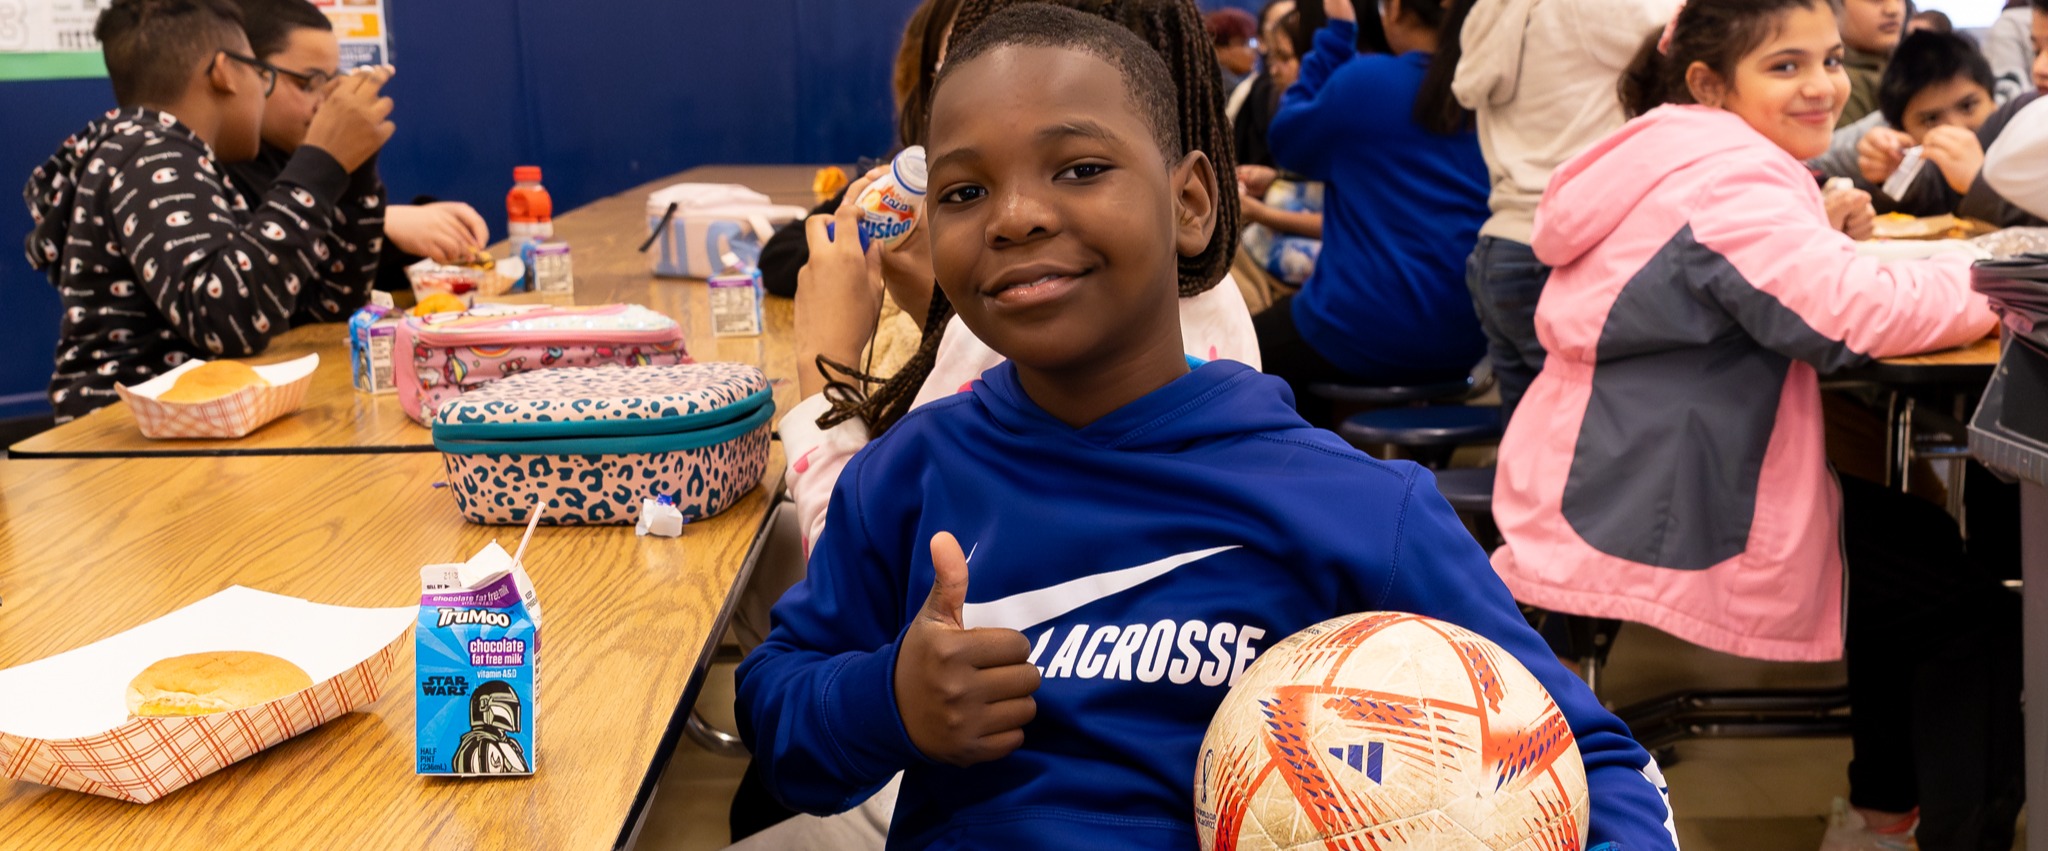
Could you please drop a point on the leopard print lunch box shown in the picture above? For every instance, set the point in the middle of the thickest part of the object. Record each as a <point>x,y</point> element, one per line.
<point>592,442</point>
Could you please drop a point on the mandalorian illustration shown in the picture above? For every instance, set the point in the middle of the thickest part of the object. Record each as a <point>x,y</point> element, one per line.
<point>494,712</point>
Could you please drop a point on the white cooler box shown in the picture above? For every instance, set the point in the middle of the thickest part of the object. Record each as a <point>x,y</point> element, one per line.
<point>702,229</point>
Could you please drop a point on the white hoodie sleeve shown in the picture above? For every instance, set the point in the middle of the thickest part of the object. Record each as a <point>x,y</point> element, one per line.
<point>2017,164</point>
<point>815,457</point>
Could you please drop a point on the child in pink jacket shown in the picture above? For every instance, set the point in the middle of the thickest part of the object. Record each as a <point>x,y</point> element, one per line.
<point>1667,465</point>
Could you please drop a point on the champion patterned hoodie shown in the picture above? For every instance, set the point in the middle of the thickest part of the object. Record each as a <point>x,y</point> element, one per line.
<point>158,259</point>
<point>1149,558</point>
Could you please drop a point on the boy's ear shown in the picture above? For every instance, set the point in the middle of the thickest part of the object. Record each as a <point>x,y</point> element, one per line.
<point>1194,202</point>
<point>1707,87</point>
<point>220,75</point>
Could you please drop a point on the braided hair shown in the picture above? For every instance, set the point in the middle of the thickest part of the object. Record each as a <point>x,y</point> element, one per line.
<point>917,67</point>
<point>1174,29</point>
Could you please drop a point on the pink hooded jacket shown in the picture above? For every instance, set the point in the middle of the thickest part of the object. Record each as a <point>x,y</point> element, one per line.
<point>1667,467</point>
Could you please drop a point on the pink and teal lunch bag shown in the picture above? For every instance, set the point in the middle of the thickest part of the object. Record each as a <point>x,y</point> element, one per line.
<point>439,357</point>
<point>593,442</point>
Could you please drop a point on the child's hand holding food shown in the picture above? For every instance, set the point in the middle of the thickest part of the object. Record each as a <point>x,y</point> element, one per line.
<point>1957,153</point>
<point>1879,153</point>
<point>446,232</point>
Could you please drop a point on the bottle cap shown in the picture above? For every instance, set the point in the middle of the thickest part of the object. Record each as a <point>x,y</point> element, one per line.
<point>909,169</point>
<point>526,174</point>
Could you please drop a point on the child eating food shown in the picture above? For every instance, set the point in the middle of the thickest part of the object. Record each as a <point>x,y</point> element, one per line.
<point>1936,96</point>
<point>155,255</point>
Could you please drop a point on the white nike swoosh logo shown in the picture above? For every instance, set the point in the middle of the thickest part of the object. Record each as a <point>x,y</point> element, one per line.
<point>1031,608</point>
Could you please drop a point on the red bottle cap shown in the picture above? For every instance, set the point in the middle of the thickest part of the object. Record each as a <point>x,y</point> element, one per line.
<point>526,174</point>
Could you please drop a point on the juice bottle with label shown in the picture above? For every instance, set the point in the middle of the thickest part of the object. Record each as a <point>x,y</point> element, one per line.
<point>529,214</point>
<point>893,203</point>
<point>528,209</point>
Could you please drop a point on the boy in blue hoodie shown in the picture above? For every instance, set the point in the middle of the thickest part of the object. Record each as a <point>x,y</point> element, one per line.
<point>1138,528</point>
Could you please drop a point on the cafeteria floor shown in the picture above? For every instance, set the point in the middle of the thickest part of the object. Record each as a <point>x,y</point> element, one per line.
<point>1730,795</point>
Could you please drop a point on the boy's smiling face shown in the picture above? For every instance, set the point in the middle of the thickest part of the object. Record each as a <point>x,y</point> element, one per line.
<point>1056,221</point>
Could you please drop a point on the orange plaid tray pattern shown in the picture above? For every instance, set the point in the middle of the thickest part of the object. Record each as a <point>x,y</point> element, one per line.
<point>148,758</point>
<point>230,416</point>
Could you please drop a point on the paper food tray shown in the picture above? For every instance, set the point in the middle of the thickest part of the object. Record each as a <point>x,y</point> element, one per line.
<point>230,416</point>
<point>64,719</point>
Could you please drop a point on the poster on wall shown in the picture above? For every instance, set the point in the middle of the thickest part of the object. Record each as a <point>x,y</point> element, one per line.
<point>52,39</point>
<point>48,26</point>
<point>46,39</point>
<point>360,25</point>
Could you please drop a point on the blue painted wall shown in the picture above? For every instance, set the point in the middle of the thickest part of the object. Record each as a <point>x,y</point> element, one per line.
<point>602,95</point>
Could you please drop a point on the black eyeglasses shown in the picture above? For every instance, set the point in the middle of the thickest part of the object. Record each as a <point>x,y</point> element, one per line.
<point>308,83</point>
<point>264,69</point>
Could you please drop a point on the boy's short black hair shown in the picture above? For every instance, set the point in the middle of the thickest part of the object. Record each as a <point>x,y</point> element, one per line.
<point>269,23</point>
<point>151,46</point>
<point>1148,84</point>
<point>1924,59</point>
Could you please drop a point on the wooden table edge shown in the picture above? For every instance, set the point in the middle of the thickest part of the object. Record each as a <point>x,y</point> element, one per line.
<point>221,452</point>
<point>680,718</point>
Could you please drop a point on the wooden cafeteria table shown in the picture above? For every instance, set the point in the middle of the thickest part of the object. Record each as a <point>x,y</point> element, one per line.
<point>89,548</point>
<point>604,237</point>
<point>335,419</point>
<point>1971,364</point>
<point>1953,376</point>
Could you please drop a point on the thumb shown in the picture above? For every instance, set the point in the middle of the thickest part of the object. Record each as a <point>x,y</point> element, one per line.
<point>949,581</point>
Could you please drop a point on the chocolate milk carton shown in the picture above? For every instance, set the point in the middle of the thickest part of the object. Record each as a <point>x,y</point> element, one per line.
<point>478,636</point>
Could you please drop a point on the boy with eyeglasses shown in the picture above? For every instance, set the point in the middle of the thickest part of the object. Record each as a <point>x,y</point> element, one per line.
<point>156,256</point>
<point>296,37</point>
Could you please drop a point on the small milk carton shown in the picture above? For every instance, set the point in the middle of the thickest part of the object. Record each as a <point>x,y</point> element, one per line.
<point>371,332</point>
<point>553,273</point>
<point>736,303</point>
<point>478,636</point>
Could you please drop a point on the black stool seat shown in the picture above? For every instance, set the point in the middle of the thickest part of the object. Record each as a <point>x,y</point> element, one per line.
<point>1417,428</point>
<point>1469,490</point>
<point>1359,394</point>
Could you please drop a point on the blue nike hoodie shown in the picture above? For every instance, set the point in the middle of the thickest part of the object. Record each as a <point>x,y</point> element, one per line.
<point>1169,543</point>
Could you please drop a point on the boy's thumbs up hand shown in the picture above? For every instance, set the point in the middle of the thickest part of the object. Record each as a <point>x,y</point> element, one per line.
<point>964,694</point>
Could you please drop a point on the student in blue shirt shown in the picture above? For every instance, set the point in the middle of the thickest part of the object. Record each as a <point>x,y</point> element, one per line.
<point>1138,527</point>
<point>1406,195</point>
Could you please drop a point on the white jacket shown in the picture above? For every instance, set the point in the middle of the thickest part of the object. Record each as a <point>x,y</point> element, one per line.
<point>2016,166</point>
<point>1541,75</point>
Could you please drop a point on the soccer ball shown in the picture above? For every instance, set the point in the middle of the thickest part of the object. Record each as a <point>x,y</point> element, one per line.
<point>1389,731</point>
